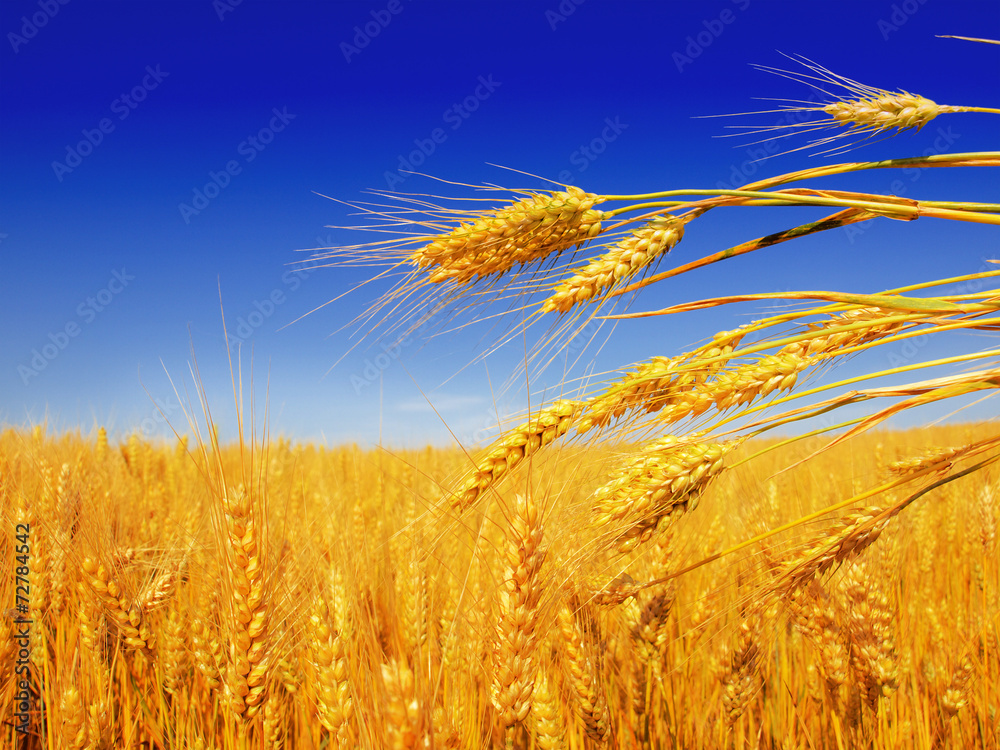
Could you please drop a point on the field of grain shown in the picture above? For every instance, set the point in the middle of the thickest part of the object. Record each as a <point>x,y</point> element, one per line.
<point>305,597</point>
<point>644,562</point>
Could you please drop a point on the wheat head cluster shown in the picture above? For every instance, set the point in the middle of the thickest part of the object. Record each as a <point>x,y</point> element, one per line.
<point>661,556</point>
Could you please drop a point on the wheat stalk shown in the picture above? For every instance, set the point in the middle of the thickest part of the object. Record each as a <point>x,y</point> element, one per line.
<point>119,607</point>
<point>863,109</point>
<point>870,630</point>
<point>249,645</point>
<point>74,726</point>
<point>659,483</point>
<point>328,655</point>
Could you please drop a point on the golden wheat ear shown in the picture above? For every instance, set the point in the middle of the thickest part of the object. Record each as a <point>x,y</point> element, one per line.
<point>625,259</point>
<point>853,108</point>
<point>516,662</point>
<point>524,232</point>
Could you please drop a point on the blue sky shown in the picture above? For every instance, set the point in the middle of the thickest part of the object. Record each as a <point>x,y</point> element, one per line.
<point>154,153</point>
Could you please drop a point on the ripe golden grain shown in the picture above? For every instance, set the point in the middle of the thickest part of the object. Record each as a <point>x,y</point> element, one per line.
<point>620,648</point>
<point>551,423</point>
<point>661,482</point>
<point>249,645</point>
<point>358,610</point>
<point>516,660</point>
<point>624,260</point>
<point>590,702</point>
<point>525,232</point>
<point>127,616</point>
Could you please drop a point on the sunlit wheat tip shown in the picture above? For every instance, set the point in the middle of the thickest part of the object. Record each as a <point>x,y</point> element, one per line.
<point>939,459</point>
<point>649,386</point>
<point>902,111</point>
<point>624,260</point>
<point>861,109</point>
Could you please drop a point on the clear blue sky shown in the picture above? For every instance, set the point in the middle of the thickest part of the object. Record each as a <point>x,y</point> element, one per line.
<point>114,117</point>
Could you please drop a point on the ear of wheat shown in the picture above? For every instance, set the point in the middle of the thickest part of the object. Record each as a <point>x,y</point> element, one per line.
<point>862,109</point>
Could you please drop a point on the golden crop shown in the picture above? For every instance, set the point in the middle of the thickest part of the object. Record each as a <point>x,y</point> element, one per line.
<point>640,563</point>
<point>377,616</point>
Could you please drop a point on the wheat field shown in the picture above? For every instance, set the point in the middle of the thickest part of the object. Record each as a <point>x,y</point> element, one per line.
<point>319,601</point>
<point>661,557</point>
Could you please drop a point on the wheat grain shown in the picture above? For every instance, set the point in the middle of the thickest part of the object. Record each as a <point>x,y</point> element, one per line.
<point>870,630</point>
<point>857,530</point>
<point>661,482</point>
<point>159,590</point>
<point>206,653</point>
<point>888,111</point>
<point>174,653</point>
<point>273,727</point>
<point>938,459</point>
<point>516,662</point>
<point>741,680</point>
<point>127,616</point>
<point>816,617</point>
<point>330,685</point>
<point>635,670</point>
<point>589,699</point>
<point>956,696</point>
<point>63,509</point>
<point>74,720</point>
<point>523,232</point>
<point>863,109</point>
<point>986,508</point>
<point>551,423</point>
<point>655,384</point>
<point>548,724</point>
<point>249,646</point>
<point>624,260</point>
